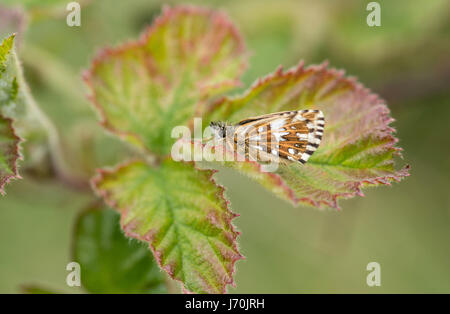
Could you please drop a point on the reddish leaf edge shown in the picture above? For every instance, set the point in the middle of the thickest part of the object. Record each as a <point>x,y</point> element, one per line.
<point>17,156</point>
<point>127,228</point>
<point>386,131</point>
<point>289,193</point>
<point>166,14</point>
<point>93,206</point>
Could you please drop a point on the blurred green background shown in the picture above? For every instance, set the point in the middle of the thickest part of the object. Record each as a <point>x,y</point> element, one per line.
<point>404,227</point>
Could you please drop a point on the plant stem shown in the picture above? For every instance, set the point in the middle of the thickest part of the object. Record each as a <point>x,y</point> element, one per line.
<point>60,166</point>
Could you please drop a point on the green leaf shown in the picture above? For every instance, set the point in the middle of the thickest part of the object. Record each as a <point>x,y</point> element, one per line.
<point>109,262</point>
<point>182,214</point>
<point>29,121</point>
<point>358,146</point>
<point>145,88</point>
<point>9,140</point>
<point>36,289</point>
<point>12,20</point>
<point>41,4</point>
<point>10,98</point>
<point>5,49</point>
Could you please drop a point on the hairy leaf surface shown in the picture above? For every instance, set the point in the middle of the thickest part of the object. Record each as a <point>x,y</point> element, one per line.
<point>9,152</point>
<point>182,214</point>
<point>12,20</point>
<point>109,262</point>
<point>36,289</point>
<point>358,146</point>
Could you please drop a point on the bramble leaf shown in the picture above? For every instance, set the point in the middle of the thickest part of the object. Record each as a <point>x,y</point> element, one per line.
<point>110,262</point>
<point>38,4</point>
<point>8,80</point>
<point>9,140</point>
<point>12,20</point>
<point>145,88</point>
<point>36,289</point>
<point>5,49</point>
<point>182,214</point>
<point>358,146</point>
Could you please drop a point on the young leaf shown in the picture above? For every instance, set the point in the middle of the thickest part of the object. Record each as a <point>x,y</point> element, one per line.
<point>30,122</point>
<point>9,140</point>
<point>357,149</point>
<point>145,88</point>
<point>40,4</point>
<point>5,49</point>
<point>111,263</point>
<point>182,214</point>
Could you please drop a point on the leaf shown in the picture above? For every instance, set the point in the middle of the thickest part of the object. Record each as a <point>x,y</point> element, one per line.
<point>40,4</point>
<point>13,103</point>
<point>9,87</point>
<point>358,146</point>
<point>142,90</point>
<point>5,49</point>
<point>109,262</point>
<point>9,140</point>
<point>182,214</point>
<point>145,88</point>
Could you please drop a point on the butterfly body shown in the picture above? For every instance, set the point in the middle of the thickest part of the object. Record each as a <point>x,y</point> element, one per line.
<point>287,135</point>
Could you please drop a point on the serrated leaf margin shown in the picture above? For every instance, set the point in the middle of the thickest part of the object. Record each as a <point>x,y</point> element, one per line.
<point>127,228</point>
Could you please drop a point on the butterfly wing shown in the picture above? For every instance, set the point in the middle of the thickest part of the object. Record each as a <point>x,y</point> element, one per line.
<point>290,135</point>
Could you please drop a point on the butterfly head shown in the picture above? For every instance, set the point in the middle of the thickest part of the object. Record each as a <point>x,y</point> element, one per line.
<point>219,128</point>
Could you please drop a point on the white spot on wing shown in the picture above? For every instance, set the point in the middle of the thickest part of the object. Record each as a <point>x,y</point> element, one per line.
<point>276,124</point>
<point>302,136</point>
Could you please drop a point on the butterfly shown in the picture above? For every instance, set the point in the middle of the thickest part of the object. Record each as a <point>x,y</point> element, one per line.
<point>287,135</point>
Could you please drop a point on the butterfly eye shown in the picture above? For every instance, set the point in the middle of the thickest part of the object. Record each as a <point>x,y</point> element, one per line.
<point>291,135</point>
